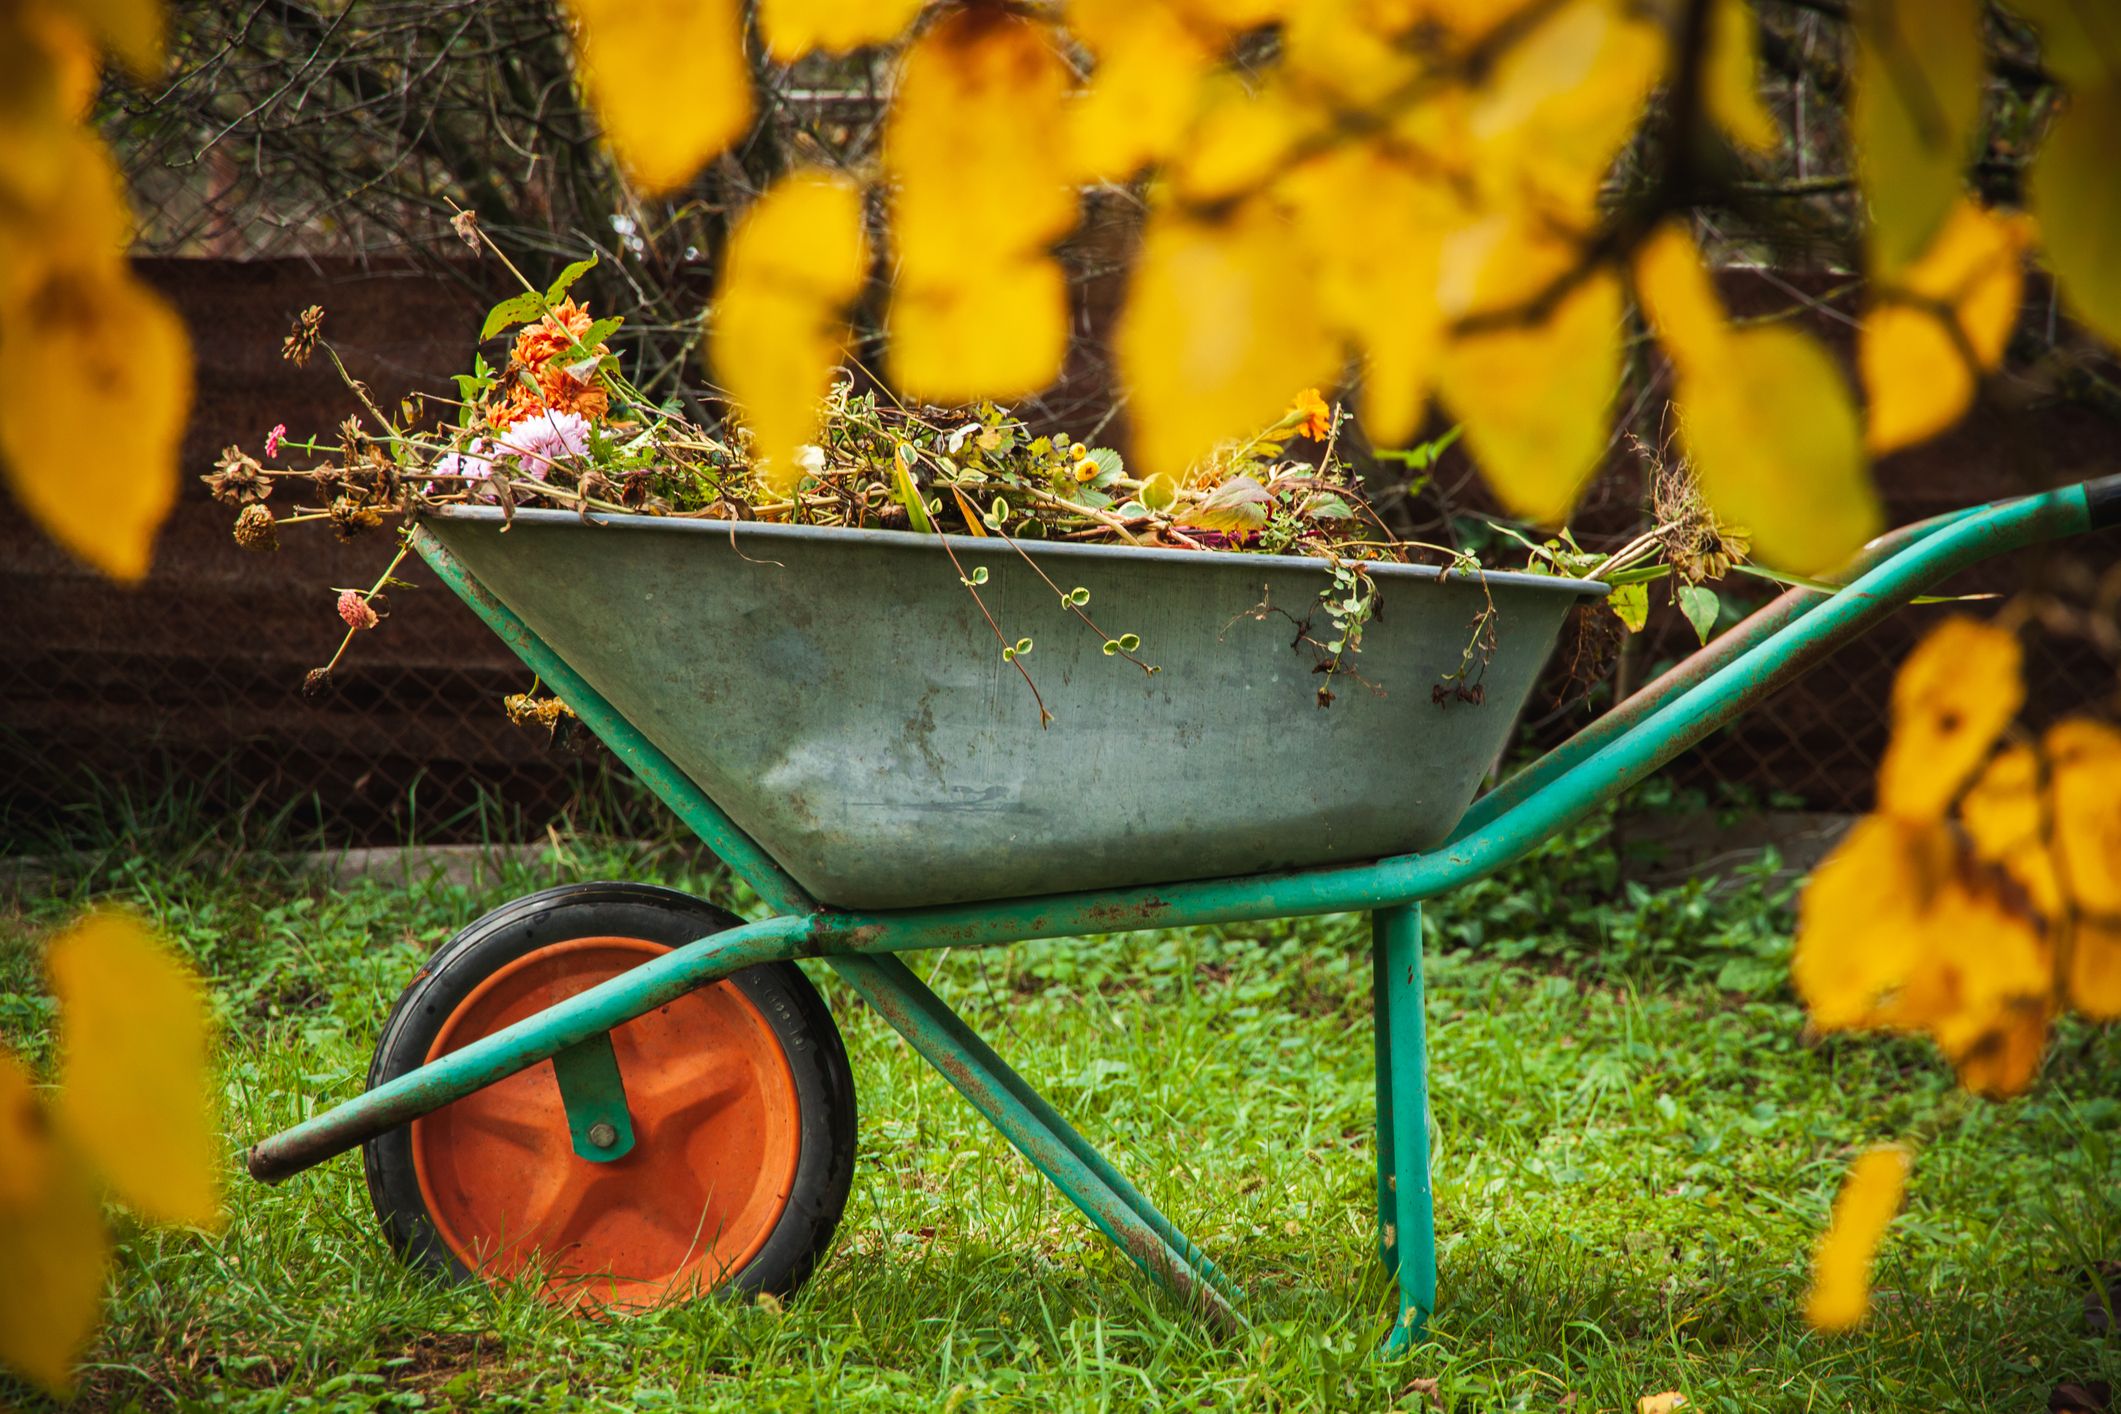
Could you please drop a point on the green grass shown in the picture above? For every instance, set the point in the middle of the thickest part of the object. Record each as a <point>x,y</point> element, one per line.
<point>1636,1147</point>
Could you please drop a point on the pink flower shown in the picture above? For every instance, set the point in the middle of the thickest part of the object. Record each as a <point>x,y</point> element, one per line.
<point>543,438</point>
<point>355,610</point>
<point>272,439</point>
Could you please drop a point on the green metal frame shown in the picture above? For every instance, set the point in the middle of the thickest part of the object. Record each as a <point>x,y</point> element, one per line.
<point>1621,749</point>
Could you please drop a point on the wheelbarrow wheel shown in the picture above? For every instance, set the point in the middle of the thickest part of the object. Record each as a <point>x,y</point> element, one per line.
<point>739,1096</point>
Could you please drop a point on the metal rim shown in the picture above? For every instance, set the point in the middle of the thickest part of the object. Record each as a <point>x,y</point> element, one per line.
<point>718,1128</point>
<point>728,530</point>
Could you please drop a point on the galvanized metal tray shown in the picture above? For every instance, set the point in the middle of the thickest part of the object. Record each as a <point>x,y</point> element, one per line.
<point>841,696</point>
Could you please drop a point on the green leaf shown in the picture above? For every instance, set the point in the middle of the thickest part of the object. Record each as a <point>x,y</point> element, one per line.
<point>1630,603</point>
<point>515,310</point>
<point>1701,606</point>
<point>978,575</point>
<point>1239,504</point>
<point>568,276</point>
<point>598,332</point>
<point>1159,492</point>
<point>1329,507</point>
<point>1109,466</point>
<point>909,496</point>
<point>1075,596</point>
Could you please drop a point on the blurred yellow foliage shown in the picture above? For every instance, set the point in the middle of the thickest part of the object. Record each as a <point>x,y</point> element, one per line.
<point>83,343</point>
<point>133,1116</point>
<point>793,265</point>
<point>1841,1267</point>
<point>1985,895</point>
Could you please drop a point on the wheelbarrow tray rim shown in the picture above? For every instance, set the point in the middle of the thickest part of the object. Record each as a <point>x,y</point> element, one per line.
<point>1057,549</point>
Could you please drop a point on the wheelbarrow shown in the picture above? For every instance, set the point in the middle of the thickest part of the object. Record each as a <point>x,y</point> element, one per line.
<point>627,1096</point>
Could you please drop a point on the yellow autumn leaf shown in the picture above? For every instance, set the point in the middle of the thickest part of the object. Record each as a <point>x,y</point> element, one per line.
<point>793,265</point>
<point>975,146</point>
<point>90,346</point>
<point>1532,360</point>
<point>1841,1265</point>
<point>25,1141</point>
<point>2084,759</point>
<point>1217,335</point>
<point>1144,90</point>
<point>1774,438</point>
<point>1376,278</point>
<point>2005,815</point>
<point>1664,1402</point>
<point>1731,78</point>
<point>1861,920</point>
<point>2079,41</point>
<point>668,81</point>
<point>1561,103</point>
<point>2073,194</point>
<point>1920,76</point>
<point>1238,140</point>
<point>2095,968</point>
<point>1340,55</point>
<point>998,331</point>
<point>54,1250</point>
<point>793,28</point>
<point>1764,415</point>
<point>1941,323</point>
<point>137,31</point>
<point>47,77</point>
<point>136,1089</point>
<point>1952,698</point>
<point>1980,986</point>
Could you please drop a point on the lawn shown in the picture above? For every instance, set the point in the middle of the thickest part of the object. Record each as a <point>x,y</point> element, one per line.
<point>1635,1146</point>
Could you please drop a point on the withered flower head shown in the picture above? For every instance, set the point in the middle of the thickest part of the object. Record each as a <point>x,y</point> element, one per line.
<point>255,529</point>
<point>317,682</point>
<point>355,611</point>
<point>237,479</point>
<point>301,341</point>
<point>466,225</point>
<point>350,517</point>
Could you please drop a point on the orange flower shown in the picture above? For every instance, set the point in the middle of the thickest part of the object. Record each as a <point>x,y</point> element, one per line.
<point>555,333</point>
<point>1313,418</point>
<point>558,391</point>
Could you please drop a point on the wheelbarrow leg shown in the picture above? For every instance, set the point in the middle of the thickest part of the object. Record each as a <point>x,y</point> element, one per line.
<point>1082,1174</point>
<point>1406,1214</point>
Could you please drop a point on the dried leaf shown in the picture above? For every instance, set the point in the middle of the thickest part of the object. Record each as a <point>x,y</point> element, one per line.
<point>1668,1402</point>
<point>52,1244</point>
<point>793,28</point>
<point>1951,699</point>
<point>1731,80</point>
<point>793,264</point>
<point>1217,335</point>
<point>1940,325</point>
<point>1841,1266</point>
<point>975,146</point>
<point>1920,72</point>
<point>1532,389</point>
<point>668,81</point>
<point>1763,413</point>
<point>136,1088</point>
<point>2073,193</point>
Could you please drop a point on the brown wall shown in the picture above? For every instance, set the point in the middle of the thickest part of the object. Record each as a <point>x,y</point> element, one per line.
<point>193,678</point>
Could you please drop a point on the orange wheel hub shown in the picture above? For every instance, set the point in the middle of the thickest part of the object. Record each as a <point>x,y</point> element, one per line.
<point>717,1126</point>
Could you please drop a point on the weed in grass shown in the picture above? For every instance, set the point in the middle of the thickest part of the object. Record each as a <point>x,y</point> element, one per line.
<point>1632,1162</point>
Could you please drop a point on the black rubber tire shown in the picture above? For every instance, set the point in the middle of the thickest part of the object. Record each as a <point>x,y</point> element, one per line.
<point>824,1082</point>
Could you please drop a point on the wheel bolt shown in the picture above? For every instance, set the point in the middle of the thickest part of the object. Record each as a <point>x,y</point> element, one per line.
<point>602,1134</point>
